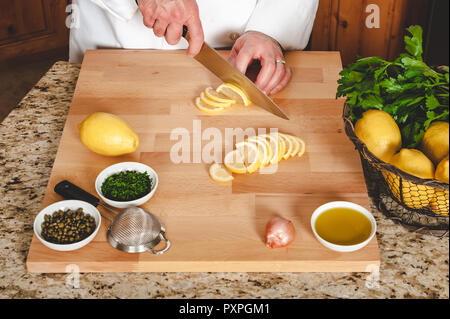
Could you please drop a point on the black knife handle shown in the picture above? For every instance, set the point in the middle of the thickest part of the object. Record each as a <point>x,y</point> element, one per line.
<point>70,191</point>
<point>185,32</point>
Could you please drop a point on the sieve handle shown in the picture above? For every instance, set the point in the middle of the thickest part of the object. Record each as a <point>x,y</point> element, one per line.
<point>162,251</point>
<point>70,191</point>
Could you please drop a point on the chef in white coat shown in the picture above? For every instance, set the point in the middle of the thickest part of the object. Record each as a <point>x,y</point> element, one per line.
<point>255,29</point>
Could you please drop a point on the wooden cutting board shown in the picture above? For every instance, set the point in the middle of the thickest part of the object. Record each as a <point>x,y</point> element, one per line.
<point>213,227</point>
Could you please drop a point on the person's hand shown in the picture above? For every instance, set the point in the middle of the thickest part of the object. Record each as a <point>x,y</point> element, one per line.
<point>252,45</point>
<point>167,17</point>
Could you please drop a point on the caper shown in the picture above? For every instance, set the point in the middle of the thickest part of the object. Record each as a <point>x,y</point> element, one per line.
<point>65,227</point>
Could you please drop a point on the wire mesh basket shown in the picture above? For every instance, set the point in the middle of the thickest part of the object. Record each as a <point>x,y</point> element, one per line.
<point>421,204</point>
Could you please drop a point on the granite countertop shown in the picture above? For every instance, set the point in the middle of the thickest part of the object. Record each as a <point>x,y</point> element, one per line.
<point>413,265</point>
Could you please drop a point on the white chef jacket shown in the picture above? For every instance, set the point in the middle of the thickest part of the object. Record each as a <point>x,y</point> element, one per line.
<point>119,24</point>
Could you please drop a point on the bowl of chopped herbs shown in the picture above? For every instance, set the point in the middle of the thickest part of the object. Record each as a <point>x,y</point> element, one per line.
<point>126,184</point>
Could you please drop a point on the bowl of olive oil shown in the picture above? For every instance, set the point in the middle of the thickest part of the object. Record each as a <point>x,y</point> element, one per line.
<point>343,226</point>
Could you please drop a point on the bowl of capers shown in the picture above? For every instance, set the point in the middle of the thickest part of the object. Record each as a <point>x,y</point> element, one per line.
<point>67,225</point>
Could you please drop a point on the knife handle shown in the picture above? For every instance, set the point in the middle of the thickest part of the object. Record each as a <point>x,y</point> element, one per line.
<point>70,191</point>
<point>186,33</point>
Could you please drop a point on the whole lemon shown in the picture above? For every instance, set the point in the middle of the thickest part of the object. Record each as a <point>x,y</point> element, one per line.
<point>435,143</point>
<point>413,162</point>
<point>107,134</point>
<point>442,170</point>
<point>440,205</point>
<point>378,130</point>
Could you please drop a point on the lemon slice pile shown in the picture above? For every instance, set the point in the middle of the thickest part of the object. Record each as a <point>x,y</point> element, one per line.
<point>214,101</point>
<point>257,152</point>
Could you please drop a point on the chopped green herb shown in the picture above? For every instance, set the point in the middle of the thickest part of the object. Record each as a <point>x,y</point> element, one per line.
<point>127,186</point>
<point>414,94</point>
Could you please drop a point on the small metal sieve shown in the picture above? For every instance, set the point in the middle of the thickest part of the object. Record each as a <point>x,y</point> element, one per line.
<point>134,230</point>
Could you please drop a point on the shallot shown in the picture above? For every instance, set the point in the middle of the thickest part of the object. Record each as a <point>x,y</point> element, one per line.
<point>280,232</point>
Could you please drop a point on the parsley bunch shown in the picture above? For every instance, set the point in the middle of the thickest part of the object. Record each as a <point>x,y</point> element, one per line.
<point>414,94</point>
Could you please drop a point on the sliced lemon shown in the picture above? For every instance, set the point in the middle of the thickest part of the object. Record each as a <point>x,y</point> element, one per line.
<point>273,142</point>
<point>234,162</point>
<point>209,102</point>
<point>265,148</point>
<point>205,108</point>
<point>219,173</point>
<point>251,154</point>
<point>302,150</point>
<point>281,145</point>
<point>212,94</point>
<point>296,145</point>
<point>289,145</point>
<point>234,92</point>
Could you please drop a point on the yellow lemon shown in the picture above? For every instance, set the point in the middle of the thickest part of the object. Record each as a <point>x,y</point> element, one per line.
<point>264,148</point>
<point>234,162</point>
<point>251,154</point>
<point>218,97</point>
<point>442,170</point>
<point>435,142</point>
<point>289,146</point>
<point>296,146</point>
<point>378,130</point>
<point>302,149</point>
<point>214,103</point>
<point>107,134</point>
<point>206,108</point>
<point>415,163</point>
<point>281,145</point>
<point>274,147</point>
<point>234,92</point>
<point>219,174</point>
<point>440,204</point>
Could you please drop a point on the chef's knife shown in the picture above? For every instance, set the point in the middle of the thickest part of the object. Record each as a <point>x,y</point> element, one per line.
<point>218,65</point>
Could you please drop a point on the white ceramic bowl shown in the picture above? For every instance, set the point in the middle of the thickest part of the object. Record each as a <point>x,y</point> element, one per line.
<point>126,166</point>
<point>65,205</point>
<point>343,248</point>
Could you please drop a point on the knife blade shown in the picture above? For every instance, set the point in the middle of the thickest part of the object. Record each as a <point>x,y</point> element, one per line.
<point>219,66</point>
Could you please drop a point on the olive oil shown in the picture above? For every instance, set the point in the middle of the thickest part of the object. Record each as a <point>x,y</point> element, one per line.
<point>343,226</point>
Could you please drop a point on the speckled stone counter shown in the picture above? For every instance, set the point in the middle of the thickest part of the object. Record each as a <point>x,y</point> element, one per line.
<point>412,265</point>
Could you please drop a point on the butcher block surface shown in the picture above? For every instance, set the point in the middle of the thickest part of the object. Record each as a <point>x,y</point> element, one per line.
<point>213,227</point>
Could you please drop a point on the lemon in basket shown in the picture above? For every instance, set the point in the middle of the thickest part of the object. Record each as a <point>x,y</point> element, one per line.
<point>440,203</point>
<point>435,142</point>
<point>415,163</point>
<point>442,170</point>
<point>378,130</point>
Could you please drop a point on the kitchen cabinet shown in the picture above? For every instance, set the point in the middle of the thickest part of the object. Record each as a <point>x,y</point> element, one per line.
<point>32,26</point>
<point>341,25</point>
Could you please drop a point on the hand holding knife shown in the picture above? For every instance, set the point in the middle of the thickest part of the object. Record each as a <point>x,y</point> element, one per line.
<point>219,66</point>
